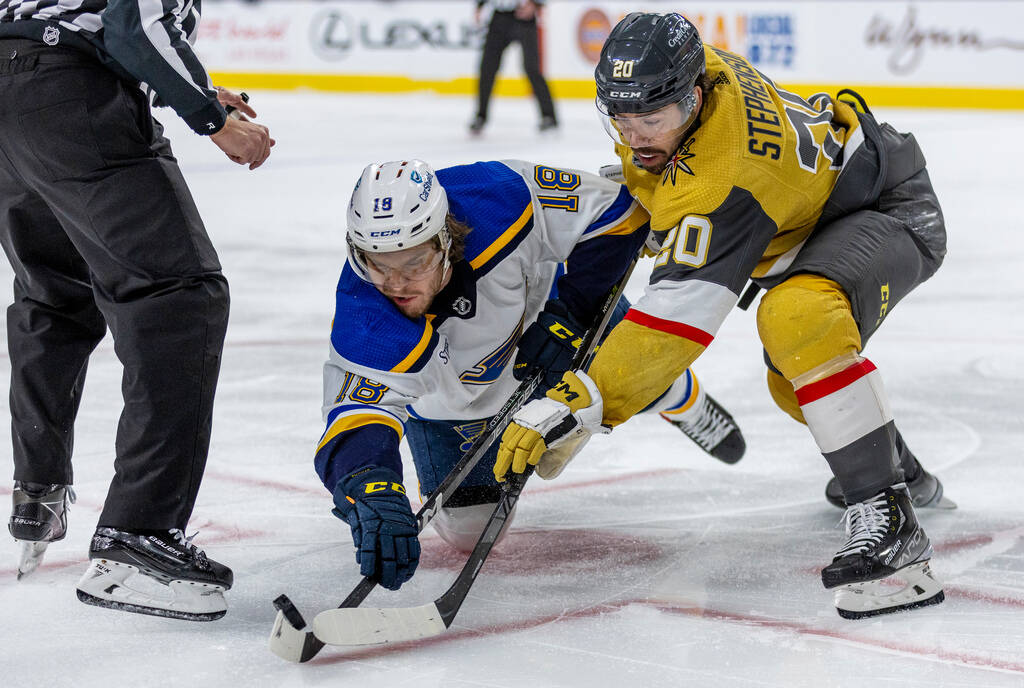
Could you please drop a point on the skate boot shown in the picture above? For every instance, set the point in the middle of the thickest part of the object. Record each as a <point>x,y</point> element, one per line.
<point>477,125</point>
<point>548,124</point>
<point>925,491</point>
<point>713,429</point>
<point>39,517</point>
<point>157,572</point>
<point>885,544</point>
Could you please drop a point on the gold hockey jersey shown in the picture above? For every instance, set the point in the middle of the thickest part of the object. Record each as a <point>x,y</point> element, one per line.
<point>754,139</point>
<point>738,199</point>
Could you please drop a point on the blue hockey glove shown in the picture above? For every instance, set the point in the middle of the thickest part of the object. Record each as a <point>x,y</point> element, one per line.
<point>373,503</point>
<point>548,344</point>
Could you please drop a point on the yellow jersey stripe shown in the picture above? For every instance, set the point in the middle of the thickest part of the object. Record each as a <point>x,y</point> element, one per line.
<point>503,240</point>
<point>417,350</point>
<point>357,420</point>
<point>629,225</point>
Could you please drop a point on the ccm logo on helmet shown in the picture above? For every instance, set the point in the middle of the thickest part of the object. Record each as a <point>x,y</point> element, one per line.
<point>385,233</point>
<point>625,94</point>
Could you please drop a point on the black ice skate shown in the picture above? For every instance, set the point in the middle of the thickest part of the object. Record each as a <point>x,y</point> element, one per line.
<point>925,491</point>
<point>714,430</point>
<point>477,125</point>
<point>885,544</point>
<point>160,574</point>
<point>39,517</point>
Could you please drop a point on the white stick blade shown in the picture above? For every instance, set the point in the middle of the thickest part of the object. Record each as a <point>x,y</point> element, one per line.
<point>366,626</point>
<point>285,641</point>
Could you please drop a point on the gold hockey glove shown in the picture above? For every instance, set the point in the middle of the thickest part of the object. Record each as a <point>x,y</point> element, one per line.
<point>571,410</point>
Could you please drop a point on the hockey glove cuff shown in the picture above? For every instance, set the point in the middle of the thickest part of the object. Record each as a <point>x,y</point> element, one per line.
<point>373,503</point>
<point>571,410</point>
<point>548,344</point>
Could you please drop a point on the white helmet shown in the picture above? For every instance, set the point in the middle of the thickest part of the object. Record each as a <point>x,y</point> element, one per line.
<point>396,205</point>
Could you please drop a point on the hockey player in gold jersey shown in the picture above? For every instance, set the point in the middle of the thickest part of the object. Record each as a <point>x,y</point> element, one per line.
<point>816,202</point>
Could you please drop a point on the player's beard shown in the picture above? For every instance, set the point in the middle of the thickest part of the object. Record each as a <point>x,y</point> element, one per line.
<point>658,158</point>
<point>415,298</point>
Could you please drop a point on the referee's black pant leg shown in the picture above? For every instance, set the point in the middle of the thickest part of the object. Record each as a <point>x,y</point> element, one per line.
<point>499,35</point>
<point>169,336</point>
<point>528,40</point>
<point>52,327</point>
<point>158,282</point>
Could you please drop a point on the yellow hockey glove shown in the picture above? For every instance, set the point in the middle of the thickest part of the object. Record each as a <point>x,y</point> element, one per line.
<point>572,409</point>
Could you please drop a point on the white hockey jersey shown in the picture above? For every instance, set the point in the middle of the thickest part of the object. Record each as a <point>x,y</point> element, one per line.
<point>454,363</point>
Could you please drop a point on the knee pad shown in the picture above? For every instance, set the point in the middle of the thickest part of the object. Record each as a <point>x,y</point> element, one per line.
<point>461,526</point>
<point>805,322</point>
<point>783,395</point>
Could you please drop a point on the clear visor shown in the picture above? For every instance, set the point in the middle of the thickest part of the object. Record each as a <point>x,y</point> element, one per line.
<point>414,264</point>
<point>639,130</point>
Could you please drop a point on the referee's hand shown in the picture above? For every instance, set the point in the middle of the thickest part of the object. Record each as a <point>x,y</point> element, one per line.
<point>246,143</point>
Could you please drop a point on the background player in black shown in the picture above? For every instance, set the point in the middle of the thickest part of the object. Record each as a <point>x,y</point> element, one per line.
<point>512,21</point>
<point>101,230</point>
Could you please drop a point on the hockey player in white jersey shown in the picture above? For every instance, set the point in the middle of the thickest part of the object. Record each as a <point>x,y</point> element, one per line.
<point>451,274</point>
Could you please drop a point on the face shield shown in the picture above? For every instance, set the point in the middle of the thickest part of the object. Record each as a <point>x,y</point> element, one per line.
<point>415,264</point>
<point>648,129</point>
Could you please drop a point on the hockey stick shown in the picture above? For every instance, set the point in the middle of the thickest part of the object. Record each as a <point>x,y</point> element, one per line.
<point>368,626</point>
<point>288,640</point>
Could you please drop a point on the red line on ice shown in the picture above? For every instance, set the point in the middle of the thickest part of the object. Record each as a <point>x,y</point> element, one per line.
<point>972,660</point>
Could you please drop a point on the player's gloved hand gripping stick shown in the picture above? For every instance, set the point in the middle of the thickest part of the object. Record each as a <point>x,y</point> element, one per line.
<point>548,344</point>
<point>372,502</point>
<point>347,625</point>
<point>288,640</point>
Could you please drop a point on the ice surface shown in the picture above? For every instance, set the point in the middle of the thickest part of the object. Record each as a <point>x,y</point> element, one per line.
<point>647,563</point>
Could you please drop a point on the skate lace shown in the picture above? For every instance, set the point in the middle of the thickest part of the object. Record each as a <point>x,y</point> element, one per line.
<point>186,543</point>
<point>866,524</point>
<point>709,429</point>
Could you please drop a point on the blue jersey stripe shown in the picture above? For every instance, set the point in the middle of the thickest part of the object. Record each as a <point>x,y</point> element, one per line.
<point>369,331</point>
<point>615,211</point>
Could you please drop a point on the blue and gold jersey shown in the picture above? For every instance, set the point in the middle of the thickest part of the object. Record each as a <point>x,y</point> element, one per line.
<point>529,225</point>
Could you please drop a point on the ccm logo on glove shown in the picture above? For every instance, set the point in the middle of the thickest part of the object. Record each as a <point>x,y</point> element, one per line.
<point>562,332</point>
<point>382,486</point>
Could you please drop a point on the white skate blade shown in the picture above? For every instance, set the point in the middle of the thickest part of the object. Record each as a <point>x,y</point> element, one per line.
<point>31,557</point>
<point>120,586</point>
<point>908,588</point>
<point>943,503</point>
<point>364,626</point>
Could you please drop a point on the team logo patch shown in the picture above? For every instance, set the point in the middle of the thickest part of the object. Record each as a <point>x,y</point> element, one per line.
<point>469,432</point>
<point>51,35</point>
<point>678,162</point>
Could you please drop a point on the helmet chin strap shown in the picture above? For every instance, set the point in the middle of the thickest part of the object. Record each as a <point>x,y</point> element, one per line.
<point>447,240</point>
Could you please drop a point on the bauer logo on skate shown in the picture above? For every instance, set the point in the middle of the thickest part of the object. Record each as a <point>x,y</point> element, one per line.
<point>895,550</point>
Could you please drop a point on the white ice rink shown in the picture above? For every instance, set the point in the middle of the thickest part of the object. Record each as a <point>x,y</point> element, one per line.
<point>647,563</point>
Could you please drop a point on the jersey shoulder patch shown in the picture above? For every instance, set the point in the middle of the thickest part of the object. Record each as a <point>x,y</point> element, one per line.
<point>369,331</point>
<point>495,202</point>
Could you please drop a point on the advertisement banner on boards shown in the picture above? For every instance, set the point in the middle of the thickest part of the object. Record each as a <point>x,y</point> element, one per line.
<point>915,44</point>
